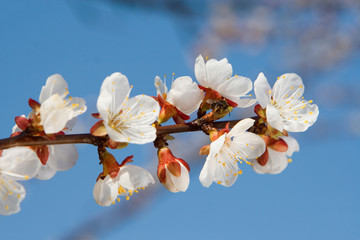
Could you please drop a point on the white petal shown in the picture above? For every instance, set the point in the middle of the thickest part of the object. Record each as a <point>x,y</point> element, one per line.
<point>77,105</point>
<point>55,114</point>
<point>273,117</point>
<point>200,71</point>
<point>113,92</point>
<point>217,72</point>
<point>19,163</point>
<point>241,127</point>
<point>207,173</point>
<point>287,86</point>
<point>293,145</point>
<point>226,171</point>
<point>62,157</point>
<point>248,144</point>
<point>262,90</point>
<point>302,119</point>
<point>132,177</point>
<point>105,191</point>
<point>160,86</point>
<point>55,121</point>
<point>245,102</point>
<point>276,164</point>
<point>180,183</point>
<point>45,172</point>
<point>236,86</point>
<point>185,95</point>
<point>55,84</point>
<point>11,195</point>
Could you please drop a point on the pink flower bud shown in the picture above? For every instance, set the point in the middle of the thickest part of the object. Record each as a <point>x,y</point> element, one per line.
<point>173,172</point>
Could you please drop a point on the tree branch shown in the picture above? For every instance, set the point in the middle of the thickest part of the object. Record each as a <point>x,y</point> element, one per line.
<point>25,140</point>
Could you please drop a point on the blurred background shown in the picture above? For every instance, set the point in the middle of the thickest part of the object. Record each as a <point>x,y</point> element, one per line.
<point>316,197</point>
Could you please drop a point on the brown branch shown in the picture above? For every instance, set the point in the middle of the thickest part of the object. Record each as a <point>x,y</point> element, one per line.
<point>25,140</point>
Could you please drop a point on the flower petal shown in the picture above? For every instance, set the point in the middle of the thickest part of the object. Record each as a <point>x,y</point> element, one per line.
<point>302,119</point>
<point>105,191</point>
<point>277,162</point>
<point>132,177</point>
<point>56,120</point>
<point>245,102</point>
<point>77,105</point>
<point>262,90</point>
<point>217,72</point>
<point>19,163</point>
<point>55,84</point>
<point>185,95</point>
<point>293,145</point>
<point>45,172</point>
<point>273,117</point>
<point>113,92</point>
<point>207,173</point>
<point>288,86</point>
<point>236,86</point>
<point>180,183</point>
<point>200,71</point>
<point>11,195</point>
<point>226,171</point>
<point>62,157</point>
<point>160,86</point>
<point>241,127</point>
<point>248,144</point>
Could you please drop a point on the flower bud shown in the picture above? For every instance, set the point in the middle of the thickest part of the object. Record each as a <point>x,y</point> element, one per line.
<point>173,172</point>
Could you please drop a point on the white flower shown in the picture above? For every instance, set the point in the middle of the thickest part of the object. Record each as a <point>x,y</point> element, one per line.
<point>184,94</point>
<point>277,161</point>
<point>172,172</point>
<point>217,75</point>
<point>129,179</point>
<point>285,108</point>
<point>126,120</point>
<point>20,163</point>
<point>56,109</point>
<point>235,146</point>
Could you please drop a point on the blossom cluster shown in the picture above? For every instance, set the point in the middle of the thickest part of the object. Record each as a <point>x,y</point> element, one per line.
<point>262,142</point>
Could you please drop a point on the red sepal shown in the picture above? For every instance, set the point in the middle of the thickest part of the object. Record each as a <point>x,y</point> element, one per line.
<point>15,134</point>
<point>161,172</point>
<point>231,103</point>
<point>263,159</point>
<point>43,153</point>
<point>184,163</point>
<point>96,115</point>
<point>34,104</point>
<point>127,160</point>
<point>22,122</point>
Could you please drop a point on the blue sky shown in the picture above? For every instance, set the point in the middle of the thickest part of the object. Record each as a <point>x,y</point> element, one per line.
<point>316,197</point>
